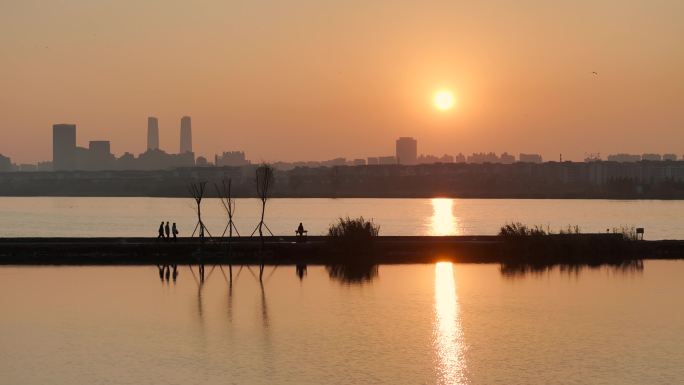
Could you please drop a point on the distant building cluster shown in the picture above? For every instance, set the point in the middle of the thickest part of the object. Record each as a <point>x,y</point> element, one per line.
<point>67,156</point>
<point>232,159</point>
<point>407,154</point>
<point>429,159</point>
<point>627,158</point>
<point>6,165</point>
<point>530,158</point>
<point>325,163</point>
<point>491,157</point>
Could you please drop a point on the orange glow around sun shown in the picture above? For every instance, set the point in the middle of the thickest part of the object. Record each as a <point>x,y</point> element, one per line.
<point>444,100</point>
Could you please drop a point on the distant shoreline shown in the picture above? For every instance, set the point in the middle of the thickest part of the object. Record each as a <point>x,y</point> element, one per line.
<point>550,180</point>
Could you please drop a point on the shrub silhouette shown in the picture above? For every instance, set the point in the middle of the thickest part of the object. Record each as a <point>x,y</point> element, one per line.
<point>517,229</point>
<point>538,246</point>
<point>570,230</point>
<point>354,237</point>
<point>354,230</point>
<point>628,233</point>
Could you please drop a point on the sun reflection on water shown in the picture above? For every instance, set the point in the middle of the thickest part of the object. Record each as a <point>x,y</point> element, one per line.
<point>448,333</point>
<point>443,221</point>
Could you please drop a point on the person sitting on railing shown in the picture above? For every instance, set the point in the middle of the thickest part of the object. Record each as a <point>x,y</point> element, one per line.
<point>300,231</point>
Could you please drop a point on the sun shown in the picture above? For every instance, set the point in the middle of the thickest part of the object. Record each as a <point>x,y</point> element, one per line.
<point>444,100</point>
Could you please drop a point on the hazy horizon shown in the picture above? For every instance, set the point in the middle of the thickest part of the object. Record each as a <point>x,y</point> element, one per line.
<point>314,81</point>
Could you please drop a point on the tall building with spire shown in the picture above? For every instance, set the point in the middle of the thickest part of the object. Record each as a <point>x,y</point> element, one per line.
<point>185,135</point>
<point>152,133</point>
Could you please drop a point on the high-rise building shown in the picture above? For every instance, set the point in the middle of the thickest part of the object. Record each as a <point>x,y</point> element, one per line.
<point>100,147</point>
<point>185,135</point>
<point>152,133</point>
<point>5,164</point>
<point>99,155</point>
<point>407,150</point>
<point>63,147</point>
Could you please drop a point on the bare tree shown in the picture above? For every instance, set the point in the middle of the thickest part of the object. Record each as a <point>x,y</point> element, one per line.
<point>224,194</point>
<point>197,190</point>
<point>264,183</point>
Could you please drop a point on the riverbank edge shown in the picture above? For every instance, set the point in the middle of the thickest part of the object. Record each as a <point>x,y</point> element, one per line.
<point>431,195</point>
<point>283,250</point>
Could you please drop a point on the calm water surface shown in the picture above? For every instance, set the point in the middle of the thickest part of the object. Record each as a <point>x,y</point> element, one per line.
<point>407,324</point>
<point>85,217</point>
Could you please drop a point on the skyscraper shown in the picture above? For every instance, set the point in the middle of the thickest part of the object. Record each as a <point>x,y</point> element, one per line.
<point>99,148</point>
<point>185,135</point>
<point>63,147</point>
<point>407,150</point>
<point>152,133</point>
<point>99,155</point>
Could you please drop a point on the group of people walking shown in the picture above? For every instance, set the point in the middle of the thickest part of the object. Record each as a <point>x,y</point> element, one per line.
<point>166,232</point>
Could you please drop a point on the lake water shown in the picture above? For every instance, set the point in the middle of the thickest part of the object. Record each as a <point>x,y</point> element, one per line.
<point>406,324</point>
<point>87,217</point>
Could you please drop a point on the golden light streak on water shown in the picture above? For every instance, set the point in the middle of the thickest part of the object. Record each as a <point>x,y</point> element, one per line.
<point>448,334</point>
<point>443,221</point>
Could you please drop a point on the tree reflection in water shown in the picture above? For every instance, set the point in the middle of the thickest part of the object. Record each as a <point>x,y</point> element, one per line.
<point>519,270</point>
<point>352,273</point>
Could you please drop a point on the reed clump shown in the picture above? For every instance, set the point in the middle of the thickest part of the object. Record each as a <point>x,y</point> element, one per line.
<point>538,245</point>
<point>353,236</point>
<point>517,229</point>
<point>627,232</point>
<point>354,230</point>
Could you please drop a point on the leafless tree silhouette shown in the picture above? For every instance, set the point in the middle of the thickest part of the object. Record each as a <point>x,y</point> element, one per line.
<point>264,183</point>
<point>224,194</point>
<point>197,191</point>
<point>228,203</point>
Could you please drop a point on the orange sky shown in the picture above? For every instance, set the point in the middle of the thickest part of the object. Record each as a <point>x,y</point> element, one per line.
<point>312,79</point>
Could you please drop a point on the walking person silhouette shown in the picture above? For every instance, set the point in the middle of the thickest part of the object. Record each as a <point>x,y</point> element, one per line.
<point>167,230</point>
<point>161,230</point>
<point>174,231</point>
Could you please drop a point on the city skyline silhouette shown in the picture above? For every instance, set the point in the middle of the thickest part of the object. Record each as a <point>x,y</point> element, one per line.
<point>332,80</point>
